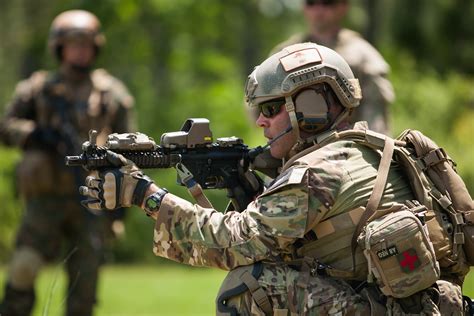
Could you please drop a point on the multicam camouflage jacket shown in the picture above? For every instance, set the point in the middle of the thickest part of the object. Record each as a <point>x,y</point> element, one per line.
<point>371,70</point>
<point>334,179</point>
<point>67,108</point>
<point>309,211</point>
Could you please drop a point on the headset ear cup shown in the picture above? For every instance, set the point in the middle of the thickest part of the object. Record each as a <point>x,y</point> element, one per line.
<point>311,110</point>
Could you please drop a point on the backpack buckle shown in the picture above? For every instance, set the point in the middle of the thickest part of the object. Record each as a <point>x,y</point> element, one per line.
<point>434,157</point>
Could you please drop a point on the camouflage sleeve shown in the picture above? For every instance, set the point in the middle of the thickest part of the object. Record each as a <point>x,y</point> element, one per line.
<point>20,114</point>
<point>199,236</point>
<point>269,226</point>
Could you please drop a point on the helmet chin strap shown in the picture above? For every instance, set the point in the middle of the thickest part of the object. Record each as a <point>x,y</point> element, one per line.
<point>301,143</point>
<point>290,108</point>
<point>342,116</point>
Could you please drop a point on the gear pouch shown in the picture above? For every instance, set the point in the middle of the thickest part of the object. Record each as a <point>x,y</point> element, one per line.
<point>399,254</point>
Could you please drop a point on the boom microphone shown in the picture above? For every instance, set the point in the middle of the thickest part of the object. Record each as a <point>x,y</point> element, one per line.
<point>258,150</point>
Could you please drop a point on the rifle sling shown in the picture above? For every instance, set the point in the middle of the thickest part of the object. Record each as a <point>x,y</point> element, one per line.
<point>198,195</point>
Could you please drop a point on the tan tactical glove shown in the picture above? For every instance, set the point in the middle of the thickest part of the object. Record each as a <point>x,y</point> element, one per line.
<point>110,189</point>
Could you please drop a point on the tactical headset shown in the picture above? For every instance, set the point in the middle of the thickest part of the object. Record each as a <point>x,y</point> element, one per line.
<point>312,107</point>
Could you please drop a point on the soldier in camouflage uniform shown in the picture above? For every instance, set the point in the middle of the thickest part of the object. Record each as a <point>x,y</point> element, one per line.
<point>49,117</point>
<point>324,19</point>
<point>289,252</point>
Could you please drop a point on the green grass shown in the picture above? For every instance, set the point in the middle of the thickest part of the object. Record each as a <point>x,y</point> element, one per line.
<point>138,290</point>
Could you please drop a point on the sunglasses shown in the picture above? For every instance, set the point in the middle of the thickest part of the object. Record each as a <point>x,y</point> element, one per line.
<point>322,2</point>
<point>271,108</point>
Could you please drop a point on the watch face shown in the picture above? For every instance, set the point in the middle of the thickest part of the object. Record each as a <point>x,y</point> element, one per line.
<point>151,203</point>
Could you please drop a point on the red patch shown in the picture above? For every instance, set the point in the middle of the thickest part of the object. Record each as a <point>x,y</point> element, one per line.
<point>409,260</point>
<point>300,58</point>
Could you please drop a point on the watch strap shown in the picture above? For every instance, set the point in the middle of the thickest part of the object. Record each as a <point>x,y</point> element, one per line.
<point>153,201</point>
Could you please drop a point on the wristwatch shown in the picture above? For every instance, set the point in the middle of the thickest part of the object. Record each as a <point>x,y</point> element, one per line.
<point>153,201</point>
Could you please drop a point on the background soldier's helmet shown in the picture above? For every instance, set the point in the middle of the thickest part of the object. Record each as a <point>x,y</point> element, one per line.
<point>74,23</point>
<point>284,74</point>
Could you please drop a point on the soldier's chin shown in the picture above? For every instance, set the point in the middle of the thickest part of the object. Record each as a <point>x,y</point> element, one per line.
<point>276,152</point>
<point>81,68</point>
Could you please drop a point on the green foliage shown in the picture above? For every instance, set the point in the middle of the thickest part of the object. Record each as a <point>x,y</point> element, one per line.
<point>190,58</point>
<point>436,32</point>
<point>440,106</point>
<point>11,211</point>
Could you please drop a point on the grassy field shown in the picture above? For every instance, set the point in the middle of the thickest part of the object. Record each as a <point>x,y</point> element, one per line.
<point>136,290</point>
<point>145,290</point>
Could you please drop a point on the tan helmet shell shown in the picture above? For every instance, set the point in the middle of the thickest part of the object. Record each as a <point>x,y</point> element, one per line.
<point>71,23</point>
<point>301,65</point>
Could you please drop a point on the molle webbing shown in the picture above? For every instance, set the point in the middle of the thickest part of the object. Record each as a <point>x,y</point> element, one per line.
<point>257,292</point>
<point>333,242</point>
<point>239,281</point>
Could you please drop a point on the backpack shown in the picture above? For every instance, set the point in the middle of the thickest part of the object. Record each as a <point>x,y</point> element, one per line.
<point>449,209</point>
<point>436,186</point>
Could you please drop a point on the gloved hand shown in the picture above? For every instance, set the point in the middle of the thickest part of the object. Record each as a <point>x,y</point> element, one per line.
<point>251,182</point>
<point>110,189</point>
<point>43,138</point>
<point>249,186</point>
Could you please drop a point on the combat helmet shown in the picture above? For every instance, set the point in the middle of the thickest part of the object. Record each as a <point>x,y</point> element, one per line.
<point>74,23</point>
<point>291,72</point>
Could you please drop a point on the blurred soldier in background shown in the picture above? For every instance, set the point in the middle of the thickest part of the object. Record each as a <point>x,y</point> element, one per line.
<point>49,117</point>
<point>324,19</point>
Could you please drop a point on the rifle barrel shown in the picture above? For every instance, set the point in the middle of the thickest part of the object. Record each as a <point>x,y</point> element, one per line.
<point>75,161</point>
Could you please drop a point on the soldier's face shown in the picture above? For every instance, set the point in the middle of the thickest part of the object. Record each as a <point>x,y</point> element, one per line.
<point>79,53</point>
<point>273,127</point>
<point>323,17</point>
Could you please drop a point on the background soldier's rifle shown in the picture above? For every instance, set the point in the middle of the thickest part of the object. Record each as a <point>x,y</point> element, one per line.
<point>223,164</point>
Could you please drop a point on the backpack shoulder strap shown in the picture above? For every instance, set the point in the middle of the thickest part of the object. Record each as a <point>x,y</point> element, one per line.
<point>379,186</point>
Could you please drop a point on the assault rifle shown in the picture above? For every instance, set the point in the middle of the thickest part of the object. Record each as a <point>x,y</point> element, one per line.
<point>197,159</point>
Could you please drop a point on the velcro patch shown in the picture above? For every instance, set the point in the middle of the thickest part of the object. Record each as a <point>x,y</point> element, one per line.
<point>290,176</point>
<point>387,252</point>
<point>300,58</point>
<point>409,260</point>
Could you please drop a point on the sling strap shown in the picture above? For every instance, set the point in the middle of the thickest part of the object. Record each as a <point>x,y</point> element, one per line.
<point>194,188</point>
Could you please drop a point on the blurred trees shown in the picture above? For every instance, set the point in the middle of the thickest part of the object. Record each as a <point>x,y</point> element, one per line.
<point>190,58</point>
